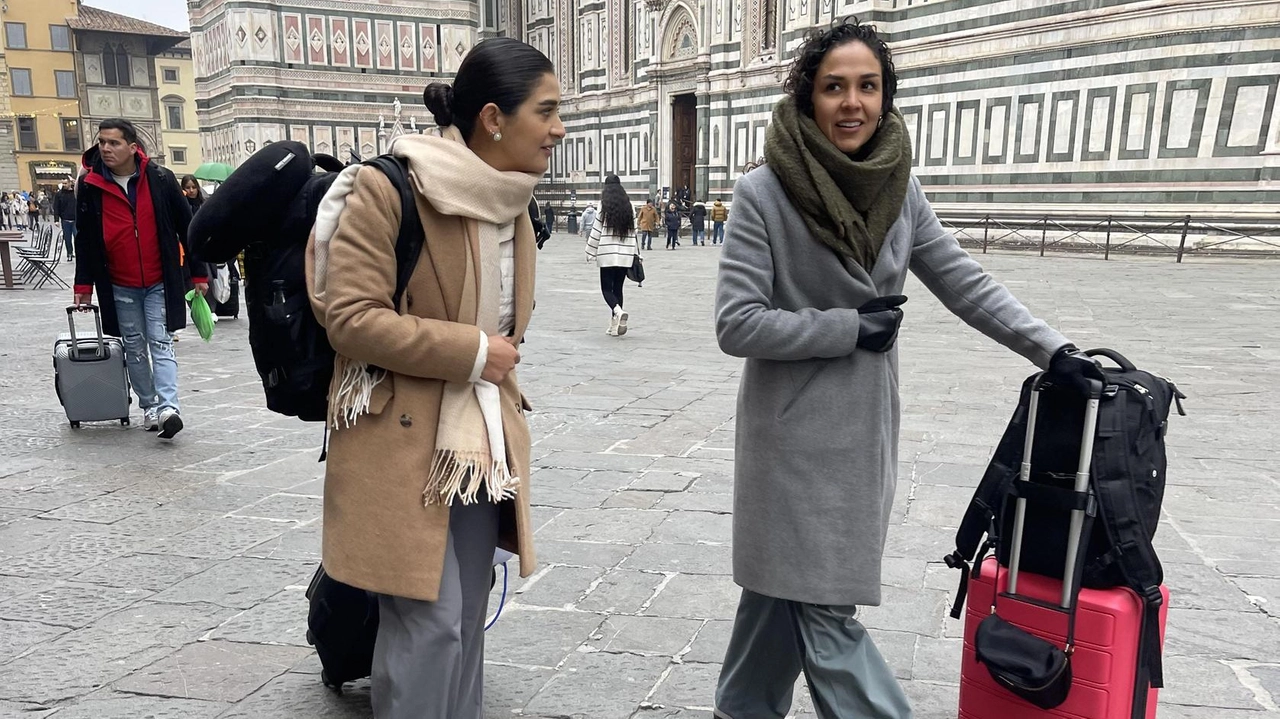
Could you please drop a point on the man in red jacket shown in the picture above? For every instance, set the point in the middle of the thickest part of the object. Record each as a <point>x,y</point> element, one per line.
<point>131,244</point>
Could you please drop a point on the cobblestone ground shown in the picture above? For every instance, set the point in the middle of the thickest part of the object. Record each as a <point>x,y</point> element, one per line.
<point>144,579</point>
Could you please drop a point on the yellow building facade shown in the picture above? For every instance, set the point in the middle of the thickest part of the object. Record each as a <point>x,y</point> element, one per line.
<point>179,126</point>
<point>44,100</point>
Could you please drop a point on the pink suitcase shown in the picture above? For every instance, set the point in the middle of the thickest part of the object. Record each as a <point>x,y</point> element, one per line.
<point>1108,622</point>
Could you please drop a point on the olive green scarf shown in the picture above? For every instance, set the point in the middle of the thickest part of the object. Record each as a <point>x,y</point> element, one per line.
<point>847,203</point>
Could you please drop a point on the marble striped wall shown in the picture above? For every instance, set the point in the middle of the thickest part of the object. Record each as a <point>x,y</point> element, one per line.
<point>319,71</point>
<point>1033,105</point>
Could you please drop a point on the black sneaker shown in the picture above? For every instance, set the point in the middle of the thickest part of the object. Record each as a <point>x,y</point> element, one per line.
<point>170,423</point>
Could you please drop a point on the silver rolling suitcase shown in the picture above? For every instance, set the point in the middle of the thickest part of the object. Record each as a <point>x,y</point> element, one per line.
<point>89,375</point>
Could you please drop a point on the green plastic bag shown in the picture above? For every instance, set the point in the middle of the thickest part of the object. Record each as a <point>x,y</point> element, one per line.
<point>201,315</point>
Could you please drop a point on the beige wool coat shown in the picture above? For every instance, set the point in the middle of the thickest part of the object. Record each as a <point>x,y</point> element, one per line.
<point>378,535</point>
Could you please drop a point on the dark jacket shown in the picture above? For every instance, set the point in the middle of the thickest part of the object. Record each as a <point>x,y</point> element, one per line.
<point>64,203</point>
<point>159,210</point>
<point>698,216</point>
<point>672,218</point>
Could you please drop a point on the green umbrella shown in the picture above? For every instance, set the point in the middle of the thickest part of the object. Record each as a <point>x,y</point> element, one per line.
<point>213,172</point>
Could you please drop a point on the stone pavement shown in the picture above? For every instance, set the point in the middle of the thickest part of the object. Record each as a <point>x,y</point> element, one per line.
<point>144,579</point>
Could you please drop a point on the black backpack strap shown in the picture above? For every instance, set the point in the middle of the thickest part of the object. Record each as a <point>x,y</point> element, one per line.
<point>409,242</point>
<point>1136,560</point>
<point>976,535</point>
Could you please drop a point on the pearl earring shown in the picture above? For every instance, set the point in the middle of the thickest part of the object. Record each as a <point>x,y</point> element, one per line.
<point>497,137</point>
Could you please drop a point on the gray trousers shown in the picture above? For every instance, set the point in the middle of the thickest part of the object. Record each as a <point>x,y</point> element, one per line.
<point>428,661</point>
<point>775,639</point>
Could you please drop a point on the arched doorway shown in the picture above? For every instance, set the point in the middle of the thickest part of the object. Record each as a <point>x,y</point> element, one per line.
<point>679,74</point>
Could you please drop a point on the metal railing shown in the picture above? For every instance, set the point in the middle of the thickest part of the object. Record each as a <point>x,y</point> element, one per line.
<point>1179,236</point>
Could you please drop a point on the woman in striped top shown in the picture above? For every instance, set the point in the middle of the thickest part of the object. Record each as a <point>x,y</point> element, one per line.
<point>612,245</point>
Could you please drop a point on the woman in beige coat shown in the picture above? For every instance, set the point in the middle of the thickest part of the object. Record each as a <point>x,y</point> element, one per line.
<point>428,467</point>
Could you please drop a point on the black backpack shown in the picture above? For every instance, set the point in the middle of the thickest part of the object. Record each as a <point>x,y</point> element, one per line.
<point>1127,478</point>
<point>266,209</point>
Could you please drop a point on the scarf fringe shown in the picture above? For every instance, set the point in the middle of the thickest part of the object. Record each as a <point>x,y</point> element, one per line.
<point>354,391</point>
<point>461,476</point>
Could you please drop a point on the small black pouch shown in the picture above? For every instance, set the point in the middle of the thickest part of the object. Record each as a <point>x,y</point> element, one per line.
<point>1030,667</point>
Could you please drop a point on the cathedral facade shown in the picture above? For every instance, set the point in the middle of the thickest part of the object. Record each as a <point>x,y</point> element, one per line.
<point>1038,105</point>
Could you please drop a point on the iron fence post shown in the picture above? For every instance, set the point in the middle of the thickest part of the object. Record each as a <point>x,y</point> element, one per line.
<point>1044,232</point>
<point>986,226</point>
<point>1182,245</point>
<point>1106,255</point>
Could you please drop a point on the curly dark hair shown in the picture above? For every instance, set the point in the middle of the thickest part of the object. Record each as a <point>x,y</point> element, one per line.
<point>799,83</point>
<point>615,207</point>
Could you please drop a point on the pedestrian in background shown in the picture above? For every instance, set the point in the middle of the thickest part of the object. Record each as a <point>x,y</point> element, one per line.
<point>33,211</point>
<point>672,220</point>
<point>588,218</point>
<point>611,244</point>
<point>698,223</point>
<point>192,191</point>
<point>549,216</point>
<point>46,207</point>
<point>647,224</point>
<point>64,208</point>
<point>18,208</point>
<point>809,293</point>
<point>131,245</point>
<point>6,217</point>
<point>428,461</point>
<point>719,214</point>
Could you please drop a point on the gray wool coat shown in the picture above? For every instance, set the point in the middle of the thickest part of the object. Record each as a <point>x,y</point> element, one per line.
<point>817,423</point>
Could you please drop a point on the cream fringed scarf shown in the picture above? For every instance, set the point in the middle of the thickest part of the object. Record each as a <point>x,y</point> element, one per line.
<point>470,451</point>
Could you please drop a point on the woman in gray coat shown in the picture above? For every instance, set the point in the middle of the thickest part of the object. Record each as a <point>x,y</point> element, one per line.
<point>815,258</point>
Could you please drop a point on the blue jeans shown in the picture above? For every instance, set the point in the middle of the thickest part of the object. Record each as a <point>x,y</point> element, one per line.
<point>717,233</point>
<point>69,236</point>
<point>700,236</point>
<point>646,240</point>
<point>148,346</point>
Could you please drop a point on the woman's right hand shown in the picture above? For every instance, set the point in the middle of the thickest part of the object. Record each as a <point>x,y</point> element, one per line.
<point>503,357</point>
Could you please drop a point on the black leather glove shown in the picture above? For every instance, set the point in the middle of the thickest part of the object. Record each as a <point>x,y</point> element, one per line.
<point>1069,367</point>
<point>879,320</point>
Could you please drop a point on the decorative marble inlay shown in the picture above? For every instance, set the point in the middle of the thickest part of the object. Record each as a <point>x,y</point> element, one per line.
<point>683,36</point>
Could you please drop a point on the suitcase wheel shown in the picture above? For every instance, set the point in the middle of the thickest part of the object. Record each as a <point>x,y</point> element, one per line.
<point>124,421</point>
<point>75,425</point>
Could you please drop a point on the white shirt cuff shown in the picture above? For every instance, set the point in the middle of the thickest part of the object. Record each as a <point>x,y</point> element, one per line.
<point>482,358</point>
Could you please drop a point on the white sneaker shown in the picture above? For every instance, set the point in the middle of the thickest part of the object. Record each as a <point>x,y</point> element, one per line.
<point>613,326</point>
<point>150,420</point>
<point>620,317</point>
<point>170,423</point>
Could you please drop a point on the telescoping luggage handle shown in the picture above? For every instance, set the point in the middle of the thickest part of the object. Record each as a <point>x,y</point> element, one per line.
<point>1081,513</point>
<point>1076,527</point>
<point>74,353</point>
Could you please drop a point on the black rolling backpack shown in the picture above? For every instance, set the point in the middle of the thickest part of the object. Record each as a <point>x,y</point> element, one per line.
<point>1128,478</point>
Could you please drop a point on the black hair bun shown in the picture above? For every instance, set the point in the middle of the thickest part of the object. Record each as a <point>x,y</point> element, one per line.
<point>438,97</point>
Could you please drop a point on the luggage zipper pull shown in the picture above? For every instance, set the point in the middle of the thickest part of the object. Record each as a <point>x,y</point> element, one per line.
<point>1178,396</point>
